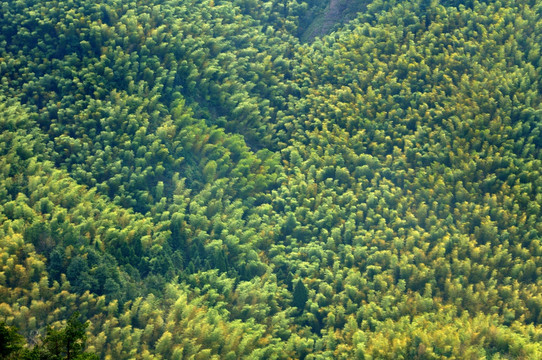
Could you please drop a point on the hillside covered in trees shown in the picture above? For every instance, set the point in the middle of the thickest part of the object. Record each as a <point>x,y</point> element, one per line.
<point>250,179</point>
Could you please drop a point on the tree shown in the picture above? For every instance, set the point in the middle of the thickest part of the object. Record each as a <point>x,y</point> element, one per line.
<point>10,341</point>
<point>301,295</point>
<point>64,344</point>
<point>67,343</point>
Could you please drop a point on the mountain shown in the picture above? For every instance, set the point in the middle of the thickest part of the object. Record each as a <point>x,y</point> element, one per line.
<point>216,179</point>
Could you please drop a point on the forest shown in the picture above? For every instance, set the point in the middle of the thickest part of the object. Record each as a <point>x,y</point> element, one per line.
<point>267,179</point>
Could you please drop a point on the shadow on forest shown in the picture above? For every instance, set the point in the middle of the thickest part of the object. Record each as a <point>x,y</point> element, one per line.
<point>317,23</point>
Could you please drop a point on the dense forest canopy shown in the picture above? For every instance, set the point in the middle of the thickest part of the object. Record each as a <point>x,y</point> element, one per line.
<point>217,179</point>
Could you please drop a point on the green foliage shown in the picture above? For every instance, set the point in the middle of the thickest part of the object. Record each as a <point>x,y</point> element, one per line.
<point>11,342</point>
<point>300,295</point>
<point>67,343</point>
<point>199,184</point>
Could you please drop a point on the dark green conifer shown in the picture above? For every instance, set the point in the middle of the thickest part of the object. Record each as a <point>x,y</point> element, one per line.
<point>300,295</point>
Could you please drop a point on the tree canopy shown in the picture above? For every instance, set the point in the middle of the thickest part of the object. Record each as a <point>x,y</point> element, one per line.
<point>254,179</point>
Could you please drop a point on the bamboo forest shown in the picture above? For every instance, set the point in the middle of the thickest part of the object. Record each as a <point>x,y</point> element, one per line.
<point>270,179</point>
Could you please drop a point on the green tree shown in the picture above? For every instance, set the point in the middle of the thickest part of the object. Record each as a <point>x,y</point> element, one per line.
<point>67,343</point>
<point>300,295</point>
<point>11,342</point>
